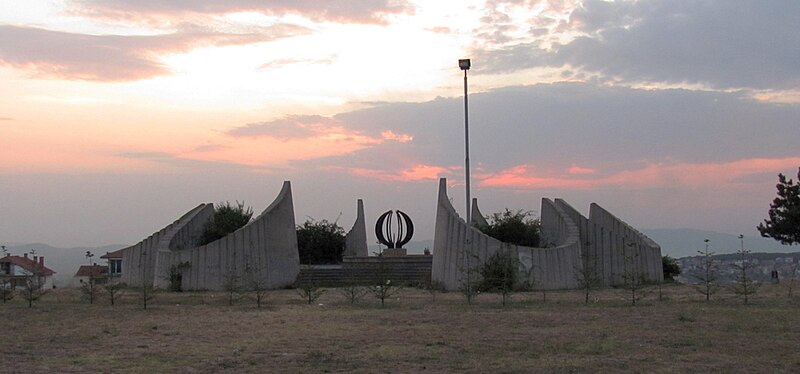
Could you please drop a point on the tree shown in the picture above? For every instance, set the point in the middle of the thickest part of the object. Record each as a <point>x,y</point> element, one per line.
<point>114,289</point>
<point>90,288</point>
<point>308,290</point>
<point>33,288</point>
<point>743,284</point>
<point>351,289</point>
<point>146,293</point>
<point>469,284</point>
<point>783,223</point>
<point>586,273</point>
<point>670,268</point>
<point>633,280</point>
<point>175,276</point>
<point>256,285</point>
<point>500,273</point>
<point>433,287</point>
<point>320,242</point>
<point>227,218</point>
<point>708,275</point>
<point>382,287</point>
<point>147,286</point>
<point>232,285</point>
<point>791,280</point>
<point>7,291</point>
<point>518,228</point>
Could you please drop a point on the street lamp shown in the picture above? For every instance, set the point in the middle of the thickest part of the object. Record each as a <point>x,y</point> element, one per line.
<point>464,64</point>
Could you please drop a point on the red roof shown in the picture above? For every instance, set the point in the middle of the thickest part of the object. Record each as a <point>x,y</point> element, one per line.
<point>113,255</point>
<point>92,271</point>
<point>27,264</point>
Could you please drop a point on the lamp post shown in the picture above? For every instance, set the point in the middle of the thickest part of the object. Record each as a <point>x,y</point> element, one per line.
<point>464,64</point>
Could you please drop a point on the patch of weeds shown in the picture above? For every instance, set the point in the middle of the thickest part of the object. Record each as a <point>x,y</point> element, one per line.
<point>596,346</point>
<point>684,317</point>
<point>683,343</point>
<point>321,359</point>
<point>228,363</point>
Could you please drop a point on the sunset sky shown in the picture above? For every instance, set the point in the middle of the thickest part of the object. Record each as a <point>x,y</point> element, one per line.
<point>118,116</point>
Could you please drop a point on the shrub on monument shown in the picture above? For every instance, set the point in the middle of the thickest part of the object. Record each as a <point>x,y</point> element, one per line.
<point>227,218</point>
<point>518,228</point>
<point>320,242</point>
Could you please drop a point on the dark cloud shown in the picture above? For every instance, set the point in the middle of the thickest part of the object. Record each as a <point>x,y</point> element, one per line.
<point>6,119</point>
<point>719,43</point>
<point>345,11</point>
<point>112,58</point>
<point>290,127</point>
<point>183,164</point>
<point>561,125</point>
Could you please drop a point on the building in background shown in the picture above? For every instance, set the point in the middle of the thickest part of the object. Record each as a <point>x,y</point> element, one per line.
<point>17,269</point>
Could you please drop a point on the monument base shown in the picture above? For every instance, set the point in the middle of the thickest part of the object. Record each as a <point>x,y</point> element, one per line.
<point>394,252</point>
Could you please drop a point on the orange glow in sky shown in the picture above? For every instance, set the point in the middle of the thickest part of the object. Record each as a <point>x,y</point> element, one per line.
<point>566,96</point>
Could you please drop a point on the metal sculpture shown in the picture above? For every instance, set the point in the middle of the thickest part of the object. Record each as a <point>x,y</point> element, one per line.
<point>388,236</point>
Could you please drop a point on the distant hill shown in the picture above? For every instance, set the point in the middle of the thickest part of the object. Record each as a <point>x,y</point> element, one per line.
<point>686,242</point>
<point>64,261</point>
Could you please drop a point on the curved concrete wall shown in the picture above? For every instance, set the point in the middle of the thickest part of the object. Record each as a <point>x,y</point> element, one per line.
<point>267,247</point>
<point>622,248</point>
<point>355,242</point>
<point>458,246</point>
<point>554,266</point>
<point>568,238</point>
<point>613,247</point>
<point>139,261</point>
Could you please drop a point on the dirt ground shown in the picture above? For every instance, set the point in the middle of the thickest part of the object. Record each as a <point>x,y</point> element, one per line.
<point>200,333</point>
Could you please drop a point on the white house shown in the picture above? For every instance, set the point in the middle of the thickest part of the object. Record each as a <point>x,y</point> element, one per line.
<point>17,269</point>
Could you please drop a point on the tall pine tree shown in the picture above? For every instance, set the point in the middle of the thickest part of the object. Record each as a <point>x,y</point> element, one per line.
<point>784,213</point>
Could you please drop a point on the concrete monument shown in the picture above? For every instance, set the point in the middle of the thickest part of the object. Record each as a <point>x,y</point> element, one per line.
<point>265,248</point>
<point>611,245</point>
<point>355,241</point>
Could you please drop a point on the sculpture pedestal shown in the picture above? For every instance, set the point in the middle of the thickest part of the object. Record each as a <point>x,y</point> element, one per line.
<point>394,252</point>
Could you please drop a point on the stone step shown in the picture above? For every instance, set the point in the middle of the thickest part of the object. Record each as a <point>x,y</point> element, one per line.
<point>408,270</point>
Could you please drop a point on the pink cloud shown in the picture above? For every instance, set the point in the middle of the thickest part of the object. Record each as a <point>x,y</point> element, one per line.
<point>112,58</point>
<point>288,128</point>
<point>298,127</point>
<point>521,176</point>
<point>578,170</point>
<point>415,173</point>
<point>700,175</point>
<point>342,11</point>
<point>400,138</point>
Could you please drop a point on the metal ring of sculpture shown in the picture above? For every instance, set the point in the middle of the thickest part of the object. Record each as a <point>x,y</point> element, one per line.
<point>388,236</point>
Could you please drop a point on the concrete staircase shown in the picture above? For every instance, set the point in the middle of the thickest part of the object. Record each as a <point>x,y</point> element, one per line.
<point>409,270</point>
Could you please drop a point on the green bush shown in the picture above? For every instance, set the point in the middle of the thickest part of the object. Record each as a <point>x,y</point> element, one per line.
<point>227,218</point>
<point>518,228</point>
<point>320,242</point>
<point>670,268</point>
<point>499,273</point>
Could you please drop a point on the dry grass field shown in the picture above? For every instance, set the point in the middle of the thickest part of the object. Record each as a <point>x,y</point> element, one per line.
<point>200,333</point>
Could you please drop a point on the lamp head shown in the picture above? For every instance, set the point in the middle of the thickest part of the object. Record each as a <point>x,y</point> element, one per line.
<point>464,64</point>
